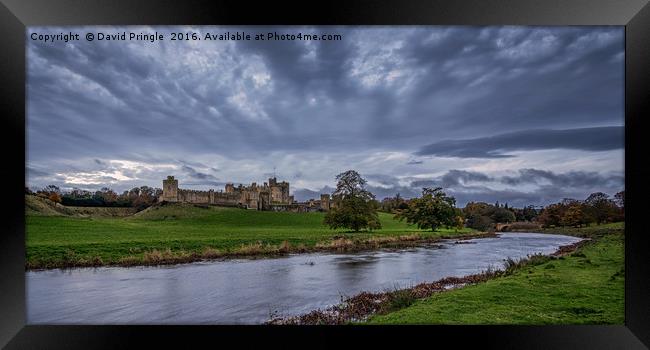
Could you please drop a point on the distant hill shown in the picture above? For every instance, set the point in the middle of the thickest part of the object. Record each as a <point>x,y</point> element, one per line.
<point>35,205</point>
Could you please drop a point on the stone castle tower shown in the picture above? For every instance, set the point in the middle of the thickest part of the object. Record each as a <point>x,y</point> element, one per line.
<point>279,191</point>
<point>170,189</point>
<point>325,202</point>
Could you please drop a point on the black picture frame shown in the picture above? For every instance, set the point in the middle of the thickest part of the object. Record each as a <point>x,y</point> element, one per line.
<point>15,15</point>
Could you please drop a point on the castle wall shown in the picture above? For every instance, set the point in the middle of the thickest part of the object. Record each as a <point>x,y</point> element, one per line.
<point>208,197</point>
<point>271,196</point>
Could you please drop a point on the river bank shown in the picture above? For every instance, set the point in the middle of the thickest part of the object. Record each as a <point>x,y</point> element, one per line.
<point>579,283</point>
<point>183,233</point>
<point>347,243</point>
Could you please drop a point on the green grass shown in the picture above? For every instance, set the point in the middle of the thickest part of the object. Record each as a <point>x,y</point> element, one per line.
<point>586,287</point>
<point>592,231</point>
<point>62,240</point>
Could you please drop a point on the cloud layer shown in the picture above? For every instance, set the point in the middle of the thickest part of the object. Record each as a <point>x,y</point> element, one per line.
<point>585,139</point>
<point>395,103</point>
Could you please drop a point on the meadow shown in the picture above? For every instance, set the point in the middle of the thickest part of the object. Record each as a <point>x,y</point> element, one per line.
<point>184,232</point>
<point>583,287</point>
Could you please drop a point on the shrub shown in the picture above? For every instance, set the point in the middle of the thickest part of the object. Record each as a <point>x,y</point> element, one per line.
<point>400,299</point>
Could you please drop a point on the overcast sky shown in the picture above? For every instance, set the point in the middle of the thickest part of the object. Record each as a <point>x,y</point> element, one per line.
<point>524,115</point>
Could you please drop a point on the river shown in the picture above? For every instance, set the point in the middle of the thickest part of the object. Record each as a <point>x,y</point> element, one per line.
<point>243,291</point>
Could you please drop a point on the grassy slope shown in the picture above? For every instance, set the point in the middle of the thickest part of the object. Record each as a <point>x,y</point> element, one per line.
<point>37,206</point>
<point>52,239</point>
<point>586,287</point>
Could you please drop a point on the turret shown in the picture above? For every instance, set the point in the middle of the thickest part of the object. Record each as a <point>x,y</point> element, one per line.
<point>170,189</point>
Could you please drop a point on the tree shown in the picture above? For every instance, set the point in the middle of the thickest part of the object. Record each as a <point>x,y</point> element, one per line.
<point>480,222</point>
<point>389,204</point>
<point>48,190</point>
<point>600,207</point>
<point>459,220</point>
<point>477,208</point>
<point>54,197</point>
<point>142,197</point>
<point>479,215</point>
<point>502,215</point>
<point>528,213</point>
<point>351,184</point>
<point>573,216</point>
<point>355,207</point>
<point>51,192</point>
<point>552,215</point>
<point>107,195</point>
<point>619,198</point>
<point>432,210</point>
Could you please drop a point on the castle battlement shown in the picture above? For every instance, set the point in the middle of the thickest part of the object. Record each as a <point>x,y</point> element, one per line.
<point>252,196</point>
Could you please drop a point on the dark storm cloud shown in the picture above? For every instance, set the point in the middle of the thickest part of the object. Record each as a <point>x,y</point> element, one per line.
<point>196,175</point>
<point>382,179</point>
<point>569,179</point>
<point>484,91</point>
<point>35,172</point>
<point>453,178</point>
<point>585,139</point>
<point>377,82</point>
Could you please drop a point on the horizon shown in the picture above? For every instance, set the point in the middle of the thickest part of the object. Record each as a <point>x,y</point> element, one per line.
<point>515,114</point>
<point>307,194</point>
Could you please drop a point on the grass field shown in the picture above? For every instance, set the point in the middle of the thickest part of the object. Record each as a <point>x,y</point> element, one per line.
<point>182,232</point>
<point>586,287</point>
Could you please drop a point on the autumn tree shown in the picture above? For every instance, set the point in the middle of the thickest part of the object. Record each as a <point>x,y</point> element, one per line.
<point>54,197</point>
<point>552,215</point>
<point>574,216</point>
<point>51,192</point>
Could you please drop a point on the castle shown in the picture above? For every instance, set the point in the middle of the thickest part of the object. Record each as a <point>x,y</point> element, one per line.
<point>273,195</point>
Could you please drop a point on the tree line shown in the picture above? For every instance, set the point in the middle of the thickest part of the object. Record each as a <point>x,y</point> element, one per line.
<point>137,197</point>
<point>597,208</point>
<point>356,208</point>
